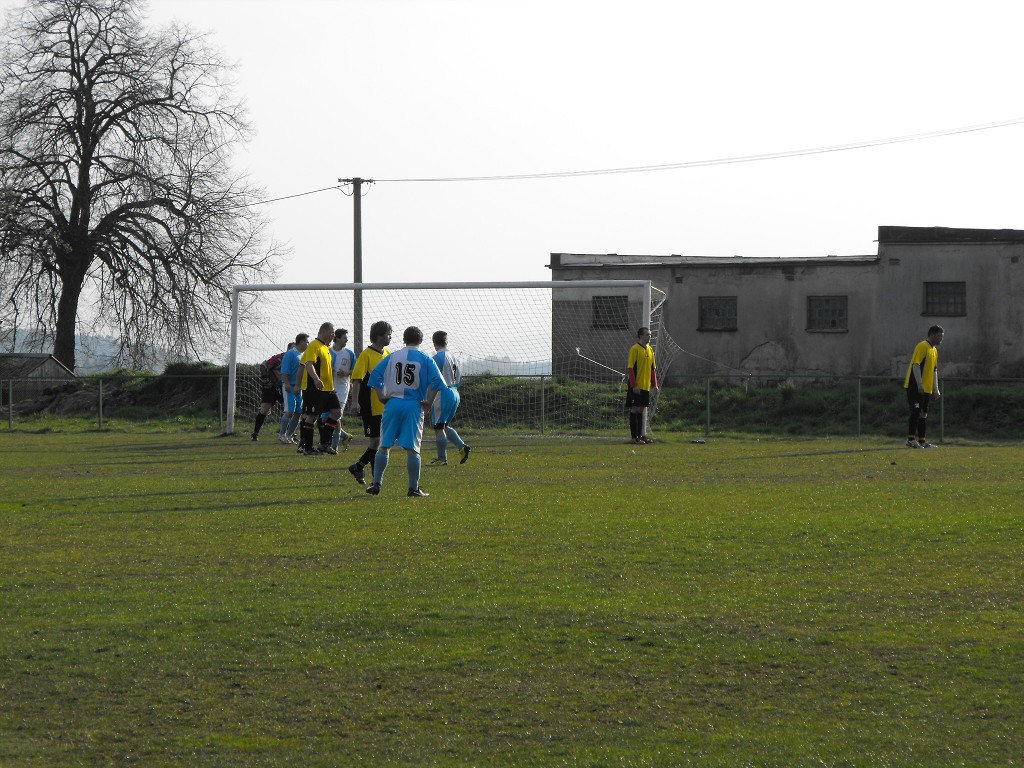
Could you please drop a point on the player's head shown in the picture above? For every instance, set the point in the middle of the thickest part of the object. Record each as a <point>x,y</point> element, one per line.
<point>643,334</point>
<point>302,341</point>
<point>326,333</point>
<point>412,337</point>
<point>440,339</point>
<point>341,337</point>
<point>380,333</point>
<point>935,334</point>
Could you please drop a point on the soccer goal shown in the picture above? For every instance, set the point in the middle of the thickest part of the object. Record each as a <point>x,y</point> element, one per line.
<point>537,357</point>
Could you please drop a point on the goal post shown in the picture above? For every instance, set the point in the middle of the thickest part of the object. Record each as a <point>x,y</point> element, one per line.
<point>547,356</point>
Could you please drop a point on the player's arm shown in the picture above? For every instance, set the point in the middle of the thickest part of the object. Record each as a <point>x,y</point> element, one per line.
<point>311,375</point>
<point>654,378</point>
<point>631,368</point>
<point>353,396</point>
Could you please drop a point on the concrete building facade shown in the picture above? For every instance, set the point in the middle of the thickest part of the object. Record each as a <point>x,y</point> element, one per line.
<point>834,315</point>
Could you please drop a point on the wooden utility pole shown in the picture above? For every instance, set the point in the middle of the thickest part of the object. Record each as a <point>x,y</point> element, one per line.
<point>357,259</point>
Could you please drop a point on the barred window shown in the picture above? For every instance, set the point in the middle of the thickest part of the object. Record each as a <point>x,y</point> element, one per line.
<point>717,313</point>
<point>610,313</point>
<point>827,313</point>
<point>945,299</point>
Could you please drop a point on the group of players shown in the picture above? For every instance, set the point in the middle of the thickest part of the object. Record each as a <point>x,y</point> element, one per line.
<point>390,392</point>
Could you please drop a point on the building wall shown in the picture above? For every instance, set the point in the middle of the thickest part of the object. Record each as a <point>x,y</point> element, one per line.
<point>885,294</point>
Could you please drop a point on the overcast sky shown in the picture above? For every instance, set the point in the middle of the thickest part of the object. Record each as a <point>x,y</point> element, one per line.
<point>400,89</point>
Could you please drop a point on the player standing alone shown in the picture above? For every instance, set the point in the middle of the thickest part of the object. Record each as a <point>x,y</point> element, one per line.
<point>922,384</point>
<point>446,403</point>
<point>643,377</point>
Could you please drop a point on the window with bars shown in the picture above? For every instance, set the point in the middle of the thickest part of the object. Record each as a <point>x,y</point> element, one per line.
<point>610,313</point>
<point>827,313</point>
<point>717,313</point>
<point>945,299</point>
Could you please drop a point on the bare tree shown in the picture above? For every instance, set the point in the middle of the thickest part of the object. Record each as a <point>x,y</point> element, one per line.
<point>116,184</point>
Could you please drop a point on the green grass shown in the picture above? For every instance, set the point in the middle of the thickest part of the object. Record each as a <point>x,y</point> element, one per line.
<point>177,598</point>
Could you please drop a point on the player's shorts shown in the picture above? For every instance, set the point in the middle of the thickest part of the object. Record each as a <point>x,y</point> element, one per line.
<point>402,424</point>
<point>292,400</point>
<point>371,424</point>
<point>311,399</point>
<point>641,400</point>
<point>272,395</point>
<point>342,389</point>
<point>918,401</point>
<point>443,409</point>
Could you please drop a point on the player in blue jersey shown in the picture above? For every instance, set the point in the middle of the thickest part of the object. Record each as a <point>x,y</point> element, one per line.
<point>405,382</point>
<point>292,389</point>
<point>447,402</point>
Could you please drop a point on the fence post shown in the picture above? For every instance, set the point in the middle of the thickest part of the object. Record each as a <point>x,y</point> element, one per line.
<point>10,404</point>
<point>220,407</point>
<point>942,416</point>
<point>543,413</point>
<point>707,429</point>
<point>858,406</point>
<point>100,411</point>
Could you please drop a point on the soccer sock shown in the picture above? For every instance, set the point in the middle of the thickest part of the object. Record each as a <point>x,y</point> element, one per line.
<point>367,457</point>
<point>260,418</point>
<point>634,429</point>
<point>454,437</point>
<point>327,430</point>
<point>442,446</point>
<point>413,464</point>
<point>285,421</point>
<point>293,424</point>
<point>380,465</point>
<point>306,435</point>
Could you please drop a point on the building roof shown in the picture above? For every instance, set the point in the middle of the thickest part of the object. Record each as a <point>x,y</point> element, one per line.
<point>615,260</point>
<point>948,235</point>
<point>21,365</point>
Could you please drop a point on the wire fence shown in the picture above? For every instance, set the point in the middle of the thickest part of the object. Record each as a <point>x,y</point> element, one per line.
<point>779,405</point>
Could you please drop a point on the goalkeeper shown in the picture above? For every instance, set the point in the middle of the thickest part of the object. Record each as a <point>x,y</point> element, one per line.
<point>643,377</point>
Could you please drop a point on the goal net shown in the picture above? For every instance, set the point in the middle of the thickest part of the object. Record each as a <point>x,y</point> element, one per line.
<point>545,357</point>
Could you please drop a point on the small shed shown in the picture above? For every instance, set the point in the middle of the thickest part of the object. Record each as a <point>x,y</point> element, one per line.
<point>29,374</point>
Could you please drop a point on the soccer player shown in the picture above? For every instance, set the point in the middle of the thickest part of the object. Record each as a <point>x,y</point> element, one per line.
<point>271,391</point>
<point>318,391</point>
<point>643,377</point>
<point>446,403</point>
<point>922,384</point>
<point>291,389</point>
<point>365,402</point>
<point>344,362</point>
<point>406,382</point>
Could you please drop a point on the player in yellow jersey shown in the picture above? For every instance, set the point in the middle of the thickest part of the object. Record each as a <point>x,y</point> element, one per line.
<point>643,377</point>
<point>922,384</point>
<point>365,402</point>
<point>317,379</point>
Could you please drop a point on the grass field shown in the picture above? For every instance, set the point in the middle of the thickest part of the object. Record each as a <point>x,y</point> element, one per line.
<point>181,599</point>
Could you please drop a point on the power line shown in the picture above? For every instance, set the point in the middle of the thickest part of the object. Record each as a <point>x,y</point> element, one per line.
<point>678,166</point>
<point>727,160</point>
